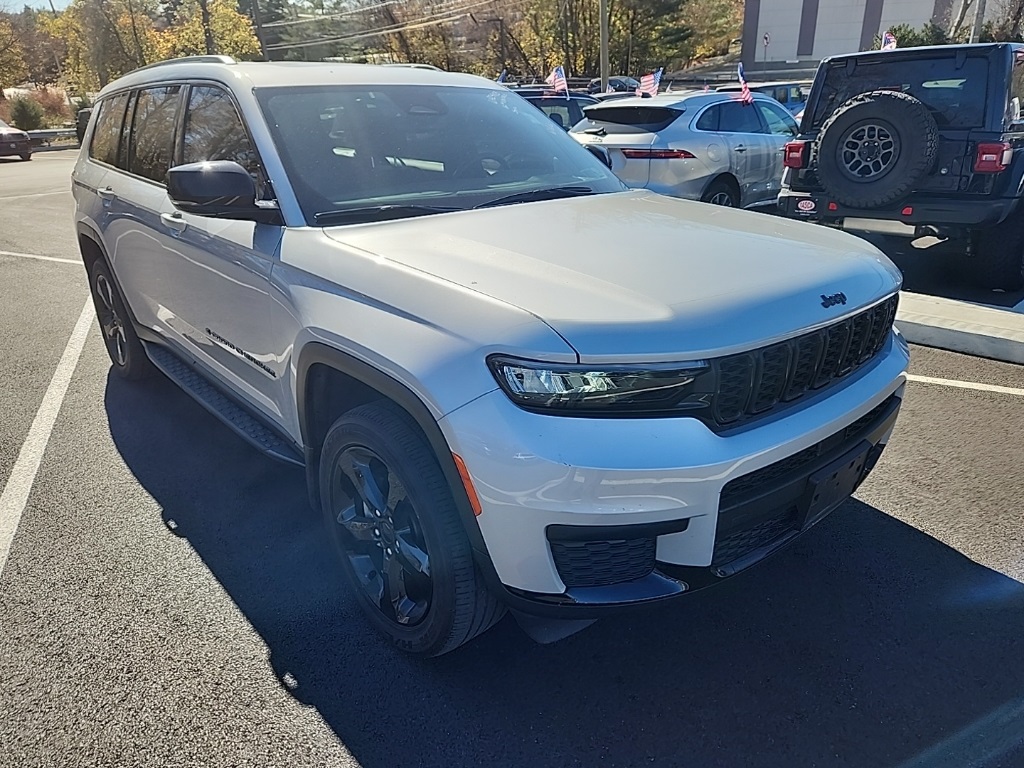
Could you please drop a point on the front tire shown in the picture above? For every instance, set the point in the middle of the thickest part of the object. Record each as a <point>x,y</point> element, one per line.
<point>127,356</point>
<point>26,157</point>
<point>393,521</point>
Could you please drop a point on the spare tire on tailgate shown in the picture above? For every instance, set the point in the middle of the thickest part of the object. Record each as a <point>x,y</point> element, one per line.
<point>876,148</point>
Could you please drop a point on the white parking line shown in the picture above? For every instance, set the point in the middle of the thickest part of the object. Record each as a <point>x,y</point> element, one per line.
<point>966,385</point>
<point>36,194</point>
<point>19,484</point>
<point>40,258</point>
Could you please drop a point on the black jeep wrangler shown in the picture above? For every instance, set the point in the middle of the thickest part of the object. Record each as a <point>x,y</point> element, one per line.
<point>918,141</point>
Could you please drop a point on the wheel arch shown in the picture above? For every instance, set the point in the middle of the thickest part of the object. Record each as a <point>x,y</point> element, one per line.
<point>330,382</point>
<point>729,178</point>
<point>90,246</point>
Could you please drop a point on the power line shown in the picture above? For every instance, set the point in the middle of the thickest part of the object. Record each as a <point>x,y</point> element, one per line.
<point>330,16</point>
<point>432,19</point>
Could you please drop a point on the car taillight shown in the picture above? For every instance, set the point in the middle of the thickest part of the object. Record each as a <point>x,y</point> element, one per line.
<point>992,157</point>
<point>795,154</point>
<point>658,154</point>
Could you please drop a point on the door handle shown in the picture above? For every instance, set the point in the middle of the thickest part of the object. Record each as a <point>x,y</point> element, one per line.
<point>106,194</point>
<point>740,148</point>
<point>173,222</point>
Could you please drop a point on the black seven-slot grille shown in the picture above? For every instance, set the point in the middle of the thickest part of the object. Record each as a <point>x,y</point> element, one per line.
<point>752,383</point>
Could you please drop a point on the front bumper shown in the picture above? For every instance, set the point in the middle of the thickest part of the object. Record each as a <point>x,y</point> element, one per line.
<point>583,514</point>
<point>926,213</point>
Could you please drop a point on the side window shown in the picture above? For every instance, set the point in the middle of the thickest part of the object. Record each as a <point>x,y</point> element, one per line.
<point>214,131</point>
<point>781,95</point>
<point>779,121</point>
<point>1015,110</point>
<point>796,95</point>
<point>107,133</point>
<point>738,117</point>
<point>153,122</point>
<point>709,120</point>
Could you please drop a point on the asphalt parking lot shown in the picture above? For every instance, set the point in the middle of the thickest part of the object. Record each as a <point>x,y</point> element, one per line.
<point>168,599</point>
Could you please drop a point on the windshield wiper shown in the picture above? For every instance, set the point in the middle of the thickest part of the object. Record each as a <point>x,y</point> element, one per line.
<point>549,193</point>
<point>378,213</point>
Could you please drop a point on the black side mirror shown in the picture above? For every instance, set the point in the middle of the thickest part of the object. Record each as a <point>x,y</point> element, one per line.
<point>217,188</point>
<point>601,153</point>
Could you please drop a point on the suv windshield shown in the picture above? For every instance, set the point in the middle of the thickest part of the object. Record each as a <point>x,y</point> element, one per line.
<point>954,95</point>
<point>419,149</point>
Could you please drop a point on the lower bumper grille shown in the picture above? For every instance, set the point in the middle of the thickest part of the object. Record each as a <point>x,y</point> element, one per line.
<point>732,546</point>
<point>601,563</point>
<point>762,507</point>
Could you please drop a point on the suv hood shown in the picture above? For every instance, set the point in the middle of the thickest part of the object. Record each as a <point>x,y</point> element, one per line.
<point>639,276</point>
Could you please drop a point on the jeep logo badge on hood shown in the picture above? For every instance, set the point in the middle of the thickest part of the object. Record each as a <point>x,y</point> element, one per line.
<point>831,301</point>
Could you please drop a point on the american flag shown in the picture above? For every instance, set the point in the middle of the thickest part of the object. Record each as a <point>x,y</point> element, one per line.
<point>745,95</point>
<point>649,84</point>
<point>557,80</point>
<point>888,41</point>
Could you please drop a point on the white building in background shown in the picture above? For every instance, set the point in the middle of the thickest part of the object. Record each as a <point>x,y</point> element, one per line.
<point>802,32</point>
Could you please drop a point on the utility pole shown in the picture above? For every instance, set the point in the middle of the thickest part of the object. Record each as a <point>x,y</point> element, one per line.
<point>979,19</point>
<point>501,38</point>
<point>604,45</point>
<point>204,10</point>
<point>504,48</point>
<point>56,58</point>
<point>257,21</point>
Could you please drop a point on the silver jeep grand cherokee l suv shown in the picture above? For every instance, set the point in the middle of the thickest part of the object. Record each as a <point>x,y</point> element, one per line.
<point>514,383</point>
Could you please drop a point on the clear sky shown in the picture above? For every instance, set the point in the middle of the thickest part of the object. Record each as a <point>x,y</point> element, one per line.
<point>16,5</point>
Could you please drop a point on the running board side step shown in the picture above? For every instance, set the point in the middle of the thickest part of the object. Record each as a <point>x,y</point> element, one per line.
<point>236,417</point>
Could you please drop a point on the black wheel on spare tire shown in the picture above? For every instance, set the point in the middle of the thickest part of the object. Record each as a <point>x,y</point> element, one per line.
<point>392,519</point>
<point>876,148</point>
<point>126,353</point>
<point>999,256</point>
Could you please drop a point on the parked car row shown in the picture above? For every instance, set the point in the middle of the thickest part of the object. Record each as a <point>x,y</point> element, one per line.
<point>697,145</point>
<point>700,146</point>
<point>912,142</point>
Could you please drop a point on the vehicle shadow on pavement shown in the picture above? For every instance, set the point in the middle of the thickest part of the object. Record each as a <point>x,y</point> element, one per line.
<point>942,270</point>
<point>867,643</point>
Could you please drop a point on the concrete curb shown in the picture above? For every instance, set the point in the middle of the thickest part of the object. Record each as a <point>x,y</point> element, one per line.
<point>962,327</point>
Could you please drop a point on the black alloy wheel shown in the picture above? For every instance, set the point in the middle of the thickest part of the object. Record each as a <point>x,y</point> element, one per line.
<point>392,517</point>
<point>384,540</point>
<point>126,353</point>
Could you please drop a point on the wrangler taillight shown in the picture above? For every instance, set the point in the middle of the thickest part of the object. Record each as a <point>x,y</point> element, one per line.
<point>795,154</point>
<point>992,157</point>
<point>658,154</point>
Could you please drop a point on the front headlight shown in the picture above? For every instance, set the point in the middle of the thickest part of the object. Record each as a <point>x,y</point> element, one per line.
<point>608,390</point>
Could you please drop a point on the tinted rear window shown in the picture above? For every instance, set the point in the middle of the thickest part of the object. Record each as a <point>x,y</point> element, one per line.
<point>954,95</point>
<point>629,119</point>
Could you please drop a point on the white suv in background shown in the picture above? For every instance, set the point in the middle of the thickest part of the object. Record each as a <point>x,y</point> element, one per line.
<point>513,382</point>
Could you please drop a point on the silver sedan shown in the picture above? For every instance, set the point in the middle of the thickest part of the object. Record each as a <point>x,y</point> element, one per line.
<point>697,145</point>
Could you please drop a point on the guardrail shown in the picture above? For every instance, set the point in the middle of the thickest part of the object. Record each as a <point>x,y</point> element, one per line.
<point>46,135</point>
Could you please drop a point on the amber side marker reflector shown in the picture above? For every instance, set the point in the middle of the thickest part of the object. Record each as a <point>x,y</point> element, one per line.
<point>467,482</point>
